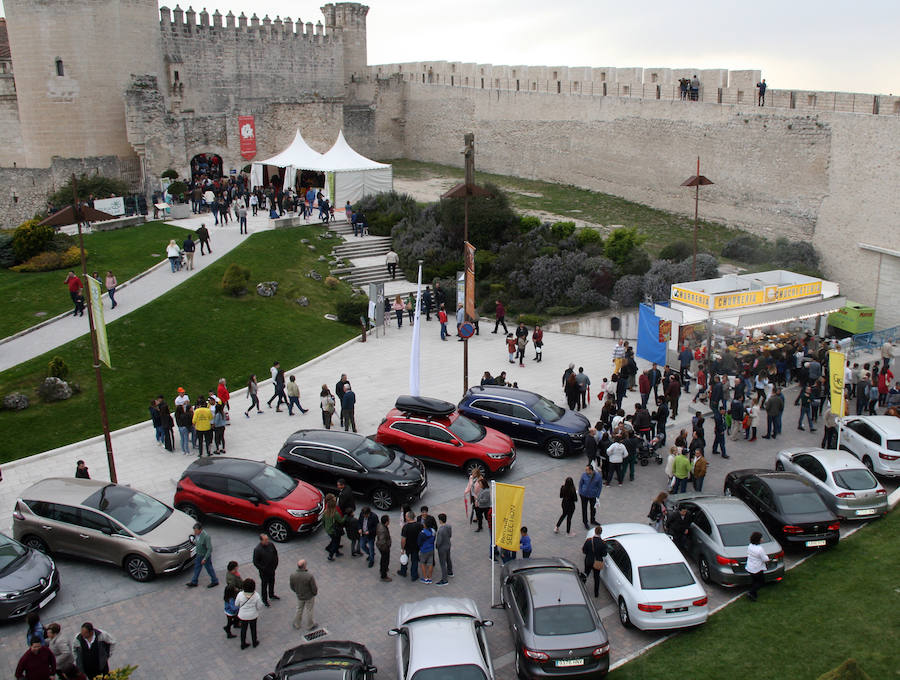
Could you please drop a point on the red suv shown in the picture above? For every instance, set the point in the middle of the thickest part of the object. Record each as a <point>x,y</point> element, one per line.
<point>434,431</point>
<point>249,492</point>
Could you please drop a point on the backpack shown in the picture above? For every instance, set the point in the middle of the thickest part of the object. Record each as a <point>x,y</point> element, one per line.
<point>483,499</point>
<point>655,511</point>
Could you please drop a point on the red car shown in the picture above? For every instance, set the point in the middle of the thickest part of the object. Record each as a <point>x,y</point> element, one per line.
<point>249,492</point>
<point>434,431</point>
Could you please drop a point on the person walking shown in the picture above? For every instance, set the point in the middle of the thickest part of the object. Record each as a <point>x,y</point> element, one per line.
<point>74,285</point>
<point>249,606</point>
<point>173,252</point>
<point>584,384</point>
<point>658,511</point>
<point>61,648</point>
<point>500,317</point>
<point>252,395</point>
<point>699,470</point>
<point>719,427</point>
<point>391,260</point>
<point>368,529</point>
<point>442,546</point>
<point>189,247</point>
<point>219,423</point>
<point>568,497</point>
<point>92,649</point>
<point>111,284</point>
<point>333,524</point>
<point>589,487</point>
<point>397,308</point>
<point>265,559</point>
<point>37,663</point>
<point>326,404</point>
<point>756,565</point>
<point>229,606</point>
<point>303,584</point>
<point>383,543</point>
<point>202,420</point>
<point>346,502</point>
<point>442,318</point>
<point>673,394</point>
<point>242,216</point>
<point>753,412</point>
<point>203,558</point>
<point>293,394</point>
<point>348,408</point>
<point>278,381</point>
<point>594,550</point>
<point>774,407</point>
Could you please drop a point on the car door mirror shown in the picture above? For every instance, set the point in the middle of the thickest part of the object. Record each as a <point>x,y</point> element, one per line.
<point>487,623</point>
<point>394,632</point>
<point>254,499</point>
<point>107,530</point>
<point>270,676</point>
<point>372,669</point>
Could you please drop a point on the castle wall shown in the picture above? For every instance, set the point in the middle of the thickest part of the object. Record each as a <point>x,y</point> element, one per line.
<point>12,151</point>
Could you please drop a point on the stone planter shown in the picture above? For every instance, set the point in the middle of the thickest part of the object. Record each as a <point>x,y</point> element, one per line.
<point>179,211</point>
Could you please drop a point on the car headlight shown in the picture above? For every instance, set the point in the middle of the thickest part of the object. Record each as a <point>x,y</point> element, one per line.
<point>302,513</point>
<point>11,594</point>
<point>169,550</point>
<point>577,435</point>
<point>408,482</point>
<point>497,456</point>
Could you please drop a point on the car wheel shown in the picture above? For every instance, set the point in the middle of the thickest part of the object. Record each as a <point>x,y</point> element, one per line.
<point>278,530</point>
<point>472,465</point>
<point>779,466</point>
<point>556,447</point>
<point>623,613</point>
<point>191,510</point>
<point>36,543</point>
<point>520,673</point>
<point>382,498</point>
<point>138,568</point>
<point>704,570</point>
<point>868,463</point>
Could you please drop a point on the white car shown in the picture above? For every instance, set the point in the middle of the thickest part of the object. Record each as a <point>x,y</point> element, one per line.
<point>875,440</point>
<point>442,638</point>
<point>650,580</point>
<point>848,488</point>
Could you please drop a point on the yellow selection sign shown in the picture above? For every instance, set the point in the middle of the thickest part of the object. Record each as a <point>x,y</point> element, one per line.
<point>745,298</point>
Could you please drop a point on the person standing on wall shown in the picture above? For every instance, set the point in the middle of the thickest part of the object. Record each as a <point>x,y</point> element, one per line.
<point>761,86</point>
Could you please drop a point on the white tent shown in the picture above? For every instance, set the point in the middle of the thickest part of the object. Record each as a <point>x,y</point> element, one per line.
<point>354,174</point>
<point>297,156</point>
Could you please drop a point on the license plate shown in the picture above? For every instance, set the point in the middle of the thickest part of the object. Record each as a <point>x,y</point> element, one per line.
<point>44,602</point>
<point>569,662</point>
<point>676,610</point>
<point>867,511</point>
<point>816,544</point>
<point>193,551</point>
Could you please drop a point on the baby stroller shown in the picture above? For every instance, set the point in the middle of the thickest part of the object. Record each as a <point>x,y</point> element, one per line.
<point>647,451</point>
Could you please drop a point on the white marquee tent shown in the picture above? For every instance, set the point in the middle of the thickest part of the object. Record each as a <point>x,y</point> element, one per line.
<point>349,175</point>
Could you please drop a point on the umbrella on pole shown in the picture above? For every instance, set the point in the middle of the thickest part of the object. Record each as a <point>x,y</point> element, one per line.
<point>696,181</point>
<point>68,215</point>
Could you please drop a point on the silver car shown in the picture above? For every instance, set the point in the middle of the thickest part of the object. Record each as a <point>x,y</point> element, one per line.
<point>845,484</point>
<point>718,539</point>
<point>875,440</point>
<point>442,637</point>
<point>104,522</point>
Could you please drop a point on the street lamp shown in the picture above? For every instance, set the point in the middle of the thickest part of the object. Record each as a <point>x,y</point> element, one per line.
<point>696,181</point>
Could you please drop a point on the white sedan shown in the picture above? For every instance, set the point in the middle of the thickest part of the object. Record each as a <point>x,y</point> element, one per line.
<point>875,440</point>
<point>650,580</point>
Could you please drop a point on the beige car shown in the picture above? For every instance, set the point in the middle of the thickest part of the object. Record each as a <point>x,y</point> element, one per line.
<point>104,522</point>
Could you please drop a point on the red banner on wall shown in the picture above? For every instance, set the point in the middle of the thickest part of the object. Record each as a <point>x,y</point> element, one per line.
<point>247,131</point>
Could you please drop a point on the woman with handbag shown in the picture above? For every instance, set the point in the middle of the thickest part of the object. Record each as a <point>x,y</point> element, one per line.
<point>326,403</point>
<point>248,604</point>
<point>594,550</point>
<point>569,497</point>
<point>333,523</point>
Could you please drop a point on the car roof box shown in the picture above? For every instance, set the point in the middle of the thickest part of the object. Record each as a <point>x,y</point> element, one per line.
<point>424,406</point>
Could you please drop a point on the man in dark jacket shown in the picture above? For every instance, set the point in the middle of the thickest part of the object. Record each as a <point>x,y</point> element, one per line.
<point>716,393</point>
<point>92,649</point>
<point>409,544</point>
<point>673,393</point>
<point>719,431</point>
<point>348,408</point>
<point>37,663</point>
<point>265,559</point>
<point>774,407</point>
<point>589,488</point>
<point>345,500</point>
<point>427,302</point>
<point>500,314</point>
<point>304,586</point>
<point>655,376</point>
<point>684,360</point>
<point>203,235</point>
<point>641,421</point>
<point>679,528</point>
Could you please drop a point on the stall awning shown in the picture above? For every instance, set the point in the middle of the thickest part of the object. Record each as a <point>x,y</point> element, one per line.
<point>784,314</point>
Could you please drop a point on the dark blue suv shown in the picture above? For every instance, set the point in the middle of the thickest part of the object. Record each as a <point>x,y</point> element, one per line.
<point>526,417</point>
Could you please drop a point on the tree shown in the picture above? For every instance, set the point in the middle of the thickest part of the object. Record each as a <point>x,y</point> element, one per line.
<point>97,186</point>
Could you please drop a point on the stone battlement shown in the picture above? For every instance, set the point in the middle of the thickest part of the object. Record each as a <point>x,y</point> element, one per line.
<point>190,23</point>
<point>717,86</point>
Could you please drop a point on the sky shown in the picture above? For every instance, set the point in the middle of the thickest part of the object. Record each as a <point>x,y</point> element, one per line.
<point>797,44</point>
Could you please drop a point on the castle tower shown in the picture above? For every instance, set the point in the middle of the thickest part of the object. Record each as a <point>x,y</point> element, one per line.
<point>350,19</point>
<point>73,60</point>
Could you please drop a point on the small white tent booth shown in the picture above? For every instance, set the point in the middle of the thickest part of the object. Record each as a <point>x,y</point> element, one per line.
<point>348,175</point>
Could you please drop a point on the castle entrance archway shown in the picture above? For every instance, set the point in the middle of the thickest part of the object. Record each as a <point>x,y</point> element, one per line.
<point>206,164</point>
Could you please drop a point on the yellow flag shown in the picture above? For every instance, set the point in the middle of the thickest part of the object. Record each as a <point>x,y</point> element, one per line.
<point>99,322</point>
<point>508,500</point>
<point>836,361</point>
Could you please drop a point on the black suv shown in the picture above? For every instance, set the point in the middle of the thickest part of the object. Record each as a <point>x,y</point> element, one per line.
<point>526,417</point>
<point>321,457</point>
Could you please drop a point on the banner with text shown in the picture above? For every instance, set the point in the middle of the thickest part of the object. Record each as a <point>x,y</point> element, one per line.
<point>836,361</point>
<point>95,292</point>
<point>508,499</point>
<point>470,281</point>
<point>247,128</point>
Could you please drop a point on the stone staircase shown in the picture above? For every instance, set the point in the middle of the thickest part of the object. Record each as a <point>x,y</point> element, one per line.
<point>368,253</point>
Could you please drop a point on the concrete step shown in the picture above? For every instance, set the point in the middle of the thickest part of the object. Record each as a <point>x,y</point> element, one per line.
<point>367,241</point>
<point>359,270</point>
<point>361,250</point>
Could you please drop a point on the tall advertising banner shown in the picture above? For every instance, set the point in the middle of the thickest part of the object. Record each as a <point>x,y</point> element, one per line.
<point>508,500</point>
<point>470,281</point>
<point>99,323</point>
<point>247,130</point>
<point>836,361</point>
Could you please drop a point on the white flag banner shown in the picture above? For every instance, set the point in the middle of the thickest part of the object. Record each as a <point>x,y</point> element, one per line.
<point>414,388</point>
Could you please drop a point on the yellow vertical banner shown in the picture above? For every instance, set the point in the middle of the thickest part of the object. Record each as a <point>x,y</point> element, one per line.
<point>836,361</point>
<point>508,499</point>
<point>99,323</point>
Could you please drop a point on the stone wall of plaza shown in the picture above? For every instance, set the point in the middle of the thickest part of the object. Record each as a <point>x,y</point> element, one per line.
<point>826,176</point>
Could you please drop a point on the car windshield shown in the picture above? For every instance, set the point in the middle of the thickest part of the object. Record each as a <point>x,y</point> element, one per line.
<point>855,479</point>
<point>464,672</point>
<point>547,411</point>
<point>10,552</point>
<point>273,484</point>
<point>467,430</point>
<point>318,674</point>
<point>739,533</point>
<point>564,619</point>
<point>801,503</point>
<point>373,455</point>
<point>661,576</point>
<point>893,444</point>
<point>137,511</point>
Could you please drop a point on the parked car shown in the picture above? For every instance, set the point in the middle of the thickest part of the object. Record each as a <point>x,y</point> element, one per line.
<point>847,486</point>
<point>28,579</point>
<point>650,580</point>
<point>555,627</point>
<point>442,637</point>
<point>250,492</point>
<point>104,522</point>
<point>788,505</point>
<point>326,660</point>
<point>875,440</point>
<point>719,536</point>
<point>321,457</point>
<point>434,431</point>
<point>527,418</point>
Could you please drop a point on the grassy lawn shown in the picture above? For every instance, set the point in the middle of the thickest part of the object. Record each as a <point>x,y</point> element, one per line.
<point>838,605</point>
<point>661,227</point>
<point>125,252</point>
<point>191,336</point>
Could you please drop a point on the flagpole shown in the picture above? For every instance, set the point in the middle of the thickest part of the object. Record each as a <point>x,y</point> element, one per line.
<point>493,523</point>
<point>414,363</point>
<point>841,419</point>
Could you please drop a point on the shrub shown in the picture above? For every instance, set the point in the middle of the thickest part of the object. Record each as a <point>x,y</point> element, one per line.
<point>747,248</point>
<point>529,222</point>
<point>50,261</point>
<point>57,368</point>
<point>531,320</point>
<point>629,290</point>
<point>177,189</point>
<point>386,209</point>
<point>331,282</point>
<point>61,242</point>
<point>30,238</point>
<point>583,293</point>
<point>169,174</point>
<point>562,230</point>
<point>89,185</point>
<point>235,279</point>
<point>677,251</point>
<point>588,235</point>
<point>562,310</point>
<point>790,254</point>
<point>622,243</point>
<point>350,311</point>
<point>7,254</point>
<point>491,220</point>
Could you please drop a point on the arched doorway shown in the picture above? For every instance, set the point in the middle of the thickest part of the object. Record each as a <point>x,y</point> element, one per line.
<point>206,165</point>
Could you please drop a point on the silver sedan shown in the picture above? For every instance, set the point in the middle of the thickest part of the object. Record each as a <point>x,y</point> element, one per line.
<point>845,485</point>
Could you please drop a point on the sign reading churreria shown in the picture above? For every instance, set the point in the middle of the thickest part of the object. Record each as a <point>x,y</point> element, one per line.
<point>247,130</point>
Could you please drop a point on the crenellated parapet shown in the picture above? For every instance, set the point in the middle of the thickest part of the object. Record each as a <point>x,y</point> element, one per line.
<point>186,23</point>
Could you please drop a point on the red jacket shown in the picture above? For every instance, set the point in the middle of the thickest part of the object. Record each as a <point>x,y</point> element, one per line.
<point>644,384</point>
<point>501,310</point>
<point>222,393</point>
<point>442,316</point>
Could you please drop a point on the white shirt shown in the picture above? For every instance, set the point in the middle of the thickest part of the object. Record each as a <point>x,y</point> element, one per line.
<point>616,452</point>
<point>172,251</point>
<point>182,400</point>
<point>848,375</point>
<point>756,559</point>
<point>274,372</point>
